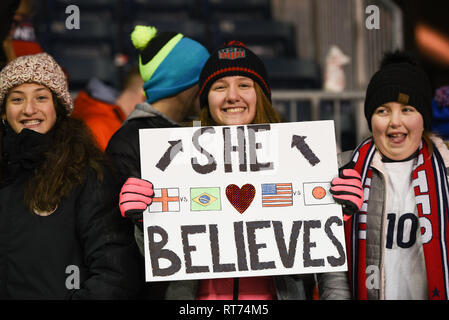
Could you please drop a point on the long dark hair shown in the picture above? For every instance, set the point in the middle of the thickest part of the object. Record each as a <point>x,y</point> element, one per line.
<point>72,151</point>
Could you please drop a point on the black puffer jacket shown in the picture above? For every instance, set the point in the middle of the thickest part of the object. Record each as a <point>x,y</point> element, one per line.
<point>123,148</point>
<point>81,251</point>
<point>124,152</point>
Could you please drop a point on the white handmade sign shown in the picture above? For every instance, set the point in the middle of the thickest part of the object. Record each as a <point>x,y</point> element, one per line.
<point>238,201</point>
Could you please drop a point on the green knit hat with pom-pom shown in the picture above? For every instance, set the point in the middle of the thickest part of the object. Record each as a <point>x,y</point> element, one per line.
<point>169,63</point>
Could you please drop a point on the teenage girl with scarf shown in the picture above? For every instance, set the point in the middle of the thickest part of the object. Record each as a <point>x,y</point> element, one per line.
<point>397,244</point>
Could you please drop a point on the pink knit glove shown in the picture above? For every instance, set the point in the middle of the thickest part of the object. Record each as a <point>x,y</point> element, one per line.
<point>347,190</point>
<point>135,196</point>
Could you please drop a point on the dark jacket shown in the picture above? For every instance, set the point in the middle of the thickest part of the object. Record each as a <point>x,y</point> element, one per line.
<point>7,10</point>
<point>124,152</point>
<point>83,250</point>
<point>123,148</point>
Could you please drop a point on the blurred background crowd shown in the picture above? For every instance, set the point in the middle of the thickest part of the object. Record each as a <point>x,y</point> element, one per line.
<point>319,54</point>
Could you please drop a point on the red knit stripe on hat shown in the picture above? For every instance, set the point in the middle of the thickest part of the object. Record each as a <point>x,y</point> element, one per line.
<point>216,73</point>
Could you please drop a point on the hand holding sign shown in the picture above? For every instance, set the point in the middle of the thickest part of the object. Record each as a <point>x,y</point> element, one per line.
<point>135,195</point>
<point>244,200</point>
<point>347,190</point>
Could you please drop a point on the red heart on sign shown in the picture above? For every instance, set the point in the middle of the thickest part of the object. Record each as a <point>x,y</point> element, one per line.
<point>240,198</point>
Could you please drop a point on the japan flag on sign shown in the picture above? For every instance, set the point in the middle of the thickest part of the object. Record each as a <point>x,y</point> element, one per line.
<point>317,193</point>
<point>165,200</point>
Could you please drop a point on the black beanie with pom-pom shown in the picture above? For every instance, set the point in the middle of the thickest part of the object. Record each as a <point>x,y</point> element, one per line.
<point>232,59</point>
<point>399,79</point>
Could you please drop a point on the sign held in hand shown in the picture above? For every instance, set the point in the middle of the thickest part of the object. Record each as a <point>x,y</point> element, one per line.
<point>237,201</point>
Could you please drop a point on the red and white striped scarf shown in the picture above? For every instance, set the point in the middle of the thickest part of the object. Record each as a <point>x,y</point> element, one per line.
<point>432,199</point>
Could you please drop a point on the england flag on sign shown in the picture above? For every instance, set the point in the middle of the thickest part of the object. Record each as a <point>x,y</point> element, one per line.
<point>165,200</point>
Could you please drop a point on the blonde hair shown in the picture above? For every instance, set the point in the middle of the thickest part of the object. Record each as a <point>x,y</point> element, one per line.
<point>265,112</point>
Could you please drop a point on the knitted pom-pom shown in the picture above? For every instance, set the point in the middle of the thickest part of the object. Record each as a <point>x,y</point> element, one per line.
<point>235,43</point>
<point>142,35</point>
<point>396,57</point>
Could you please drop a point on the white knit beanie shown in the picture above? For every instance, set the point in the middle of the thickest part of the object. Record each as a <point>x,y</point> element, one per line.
<point>38,68</point>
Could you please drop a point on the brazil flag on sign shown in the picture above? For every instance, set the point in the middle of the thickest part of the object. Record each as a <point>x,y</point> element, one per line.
<point>205,199</point>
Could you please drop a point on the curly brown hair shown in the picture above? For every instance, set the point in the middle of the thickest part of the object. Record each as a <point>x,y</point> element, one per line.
<point>73,150</point>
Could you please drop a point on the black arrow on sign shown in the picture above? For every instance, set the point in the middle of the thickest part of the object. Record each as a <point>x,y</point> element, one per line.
<point>301,145</point>
<point>170,154</point>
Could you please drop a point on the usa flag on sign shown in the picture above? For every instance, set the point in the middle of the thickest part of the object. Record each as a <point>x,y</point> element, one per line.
<point>277,195</point>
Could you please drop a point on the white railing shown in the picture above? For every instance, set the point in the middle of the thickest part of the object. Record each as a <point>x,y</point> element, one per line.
<point>315,97</point>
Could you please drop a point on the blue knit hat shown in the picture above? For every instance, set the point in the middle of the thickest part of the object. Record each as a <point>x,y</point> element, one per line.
<point>169,63</point>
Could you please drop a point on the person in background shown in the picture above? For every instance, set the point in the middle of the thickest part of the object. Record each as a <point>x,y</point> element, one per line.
<point>234,90</point>
<point>397,243</point>
<point>23,36</point>
<point>440,110</point>
<point>60,234</point>
<point>7,9</point>
<point>170,66</point>
<point>104,110</point>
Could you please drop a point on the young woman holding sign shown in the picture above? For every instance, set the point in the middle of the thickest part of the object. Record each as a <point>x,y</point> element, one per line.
<point>397,243</point>
<point>60,238</point>
<point>234,90</point>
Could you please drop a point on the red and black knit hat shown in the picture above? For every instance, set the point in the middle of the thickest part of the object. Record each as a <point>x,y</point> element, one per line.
<point>232,59</point>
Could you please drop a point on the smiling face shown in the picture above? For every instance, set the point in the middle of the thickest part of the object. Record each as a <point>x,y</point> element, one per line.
<point>30,106</point>
<point>232,100</point>
<point>397,130</point>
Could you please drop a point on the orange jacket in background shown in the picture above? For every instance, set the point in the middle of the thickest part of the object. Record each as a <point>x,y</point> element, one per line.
<point>103,118</point>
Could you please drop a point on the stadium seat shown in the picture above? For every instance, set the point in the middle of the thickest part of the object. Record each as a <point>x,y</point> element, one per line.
<point>90,5</point>
<point>190,28</point>
<point>214,10</point>
<point>161,9</point>
<point>97,34</point>
<point>266,38</point>
<point>92,29</point>
<point>80,69</point>
<point>292,73</point>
